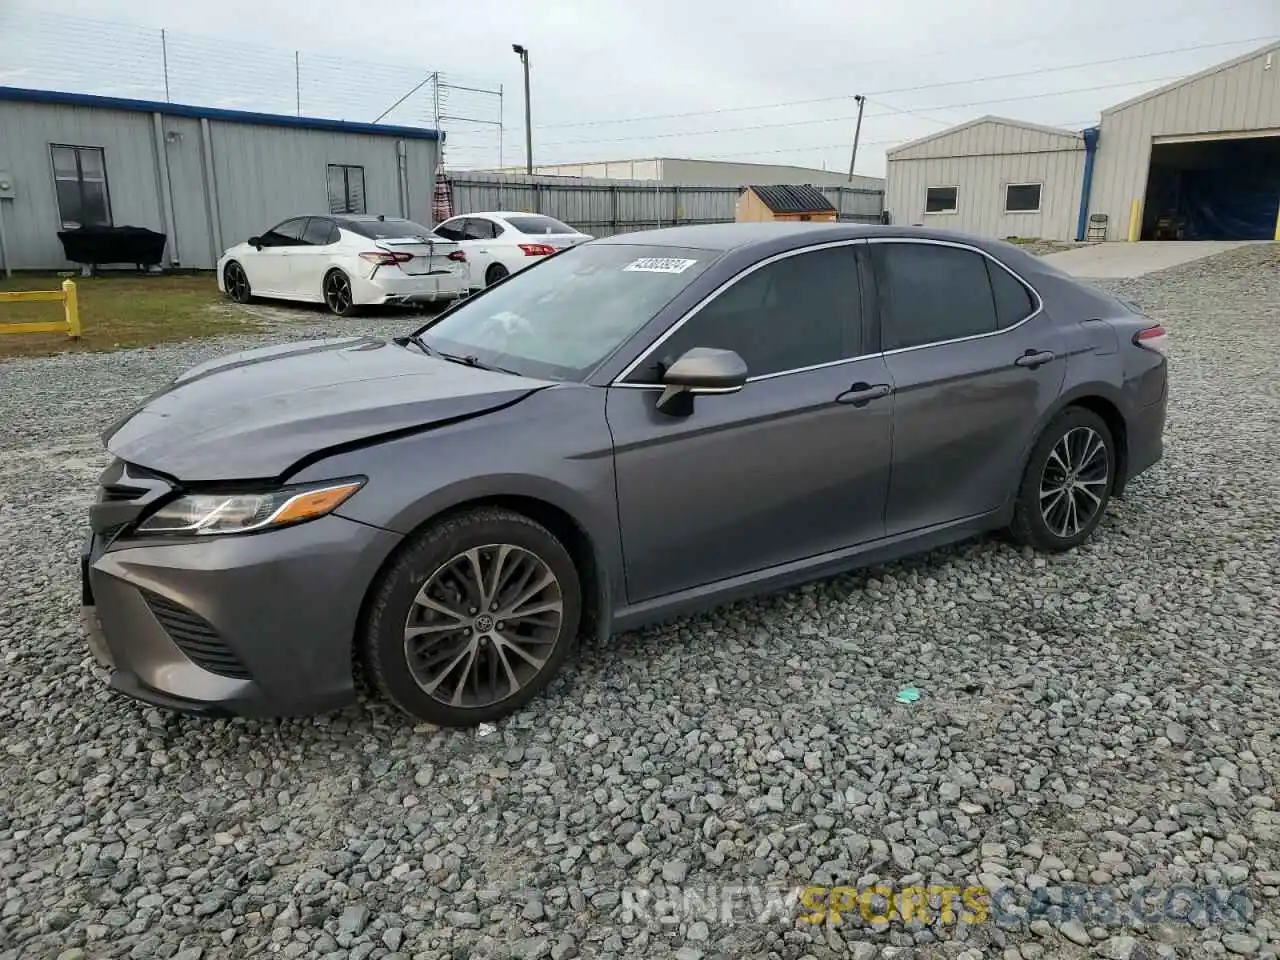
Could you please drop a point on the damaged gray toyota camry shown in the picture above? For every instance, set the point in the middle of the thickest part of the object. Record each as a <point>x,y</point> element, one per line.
<point>635,428</point>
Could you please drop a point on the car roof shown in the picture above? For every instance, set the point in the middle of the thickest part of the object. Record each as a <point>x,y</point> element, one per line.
<point>782,236</point>
<point>502,214</point>
<point>363,218</point>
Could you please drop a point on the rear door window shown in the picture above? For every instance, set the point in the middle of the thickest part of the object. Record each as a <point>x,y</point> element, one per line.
<point>319,232</point>
<point>1014,302</point>
<point>534,225</point>
<point>931,293</point>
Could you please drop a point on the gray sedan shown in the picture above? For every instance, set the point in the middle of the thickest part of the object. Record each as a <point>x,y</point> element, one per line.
<point>635,428</point>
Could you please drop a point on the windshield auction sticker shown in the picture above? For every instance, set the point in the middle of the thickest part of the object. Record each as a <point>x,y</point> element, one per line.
<point>659,265</point>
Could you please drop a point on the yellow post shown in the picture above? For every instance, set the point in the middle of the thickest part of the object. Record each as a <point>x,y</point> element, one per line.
<point>71,307</point>
<point>1133,222</point>
<point>1277,236</point>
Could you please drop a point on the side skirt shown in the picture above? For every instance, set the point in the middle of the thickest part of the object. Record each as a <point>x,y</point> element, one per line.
<point>800,571</point>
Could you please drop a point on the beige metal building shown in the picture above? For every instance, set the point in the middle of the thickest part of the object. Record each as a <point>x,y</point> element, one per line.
<point>678,171</point>
<point>1205,150</point>
<point>1196,159</point>
<point>991,176</point>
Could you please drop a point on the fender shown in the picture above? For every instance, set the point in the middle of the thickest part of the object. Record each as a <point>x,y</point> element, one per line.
<point>1092,388</point>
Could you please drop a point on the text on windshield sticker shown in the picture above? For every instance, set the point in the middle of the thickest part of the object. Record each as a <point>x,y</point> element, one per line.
<point>659,265</point>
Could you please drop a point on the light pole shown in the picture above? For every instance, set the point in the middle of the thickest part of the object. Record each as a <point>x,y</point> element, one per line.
<point>523,54</point>
<point>856,130</point>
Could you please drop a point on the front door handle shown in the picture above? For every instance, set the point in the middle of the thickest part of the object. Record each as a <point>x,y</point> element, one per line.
<point>1035,358</point>
<point>860,394</point>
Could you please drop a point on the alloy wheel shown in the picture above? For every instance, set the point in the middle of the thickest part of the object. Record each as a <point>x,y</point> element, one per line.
<point>337,293</point>
<point>237,283</point>
<point>1074,481</point>
<point>483,625</point>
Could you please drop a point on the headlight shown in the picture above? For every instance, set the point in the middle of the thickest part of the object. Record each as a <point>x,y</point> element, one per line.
<point>204,514</point>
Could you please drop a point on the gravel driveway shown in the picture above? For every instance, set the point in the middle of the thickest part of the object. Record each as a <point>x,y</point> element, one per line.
<point>1109,717</point>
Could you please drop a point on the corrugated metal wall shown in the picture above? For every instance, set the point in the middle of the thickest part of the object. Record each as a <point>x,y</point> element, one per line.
<point>605,207</point>
<point>264,174</point>
<point>31,217</point>
<point>981,160</point>
<point>1240,95</point>
<point>687,172</point>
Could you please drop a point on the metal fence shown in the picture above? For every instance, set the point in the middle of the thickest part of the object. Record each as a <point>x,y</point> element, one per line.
<point>604,207</point>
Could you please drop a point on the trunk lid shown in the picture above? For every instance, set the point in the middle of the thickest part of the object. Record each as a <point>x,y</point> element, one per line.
<point>429,256</point>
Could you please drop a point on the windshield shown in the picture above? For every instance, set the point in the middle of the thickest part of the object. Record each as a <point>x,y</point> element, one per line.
<point>560,319</point>
<point>537,225</point>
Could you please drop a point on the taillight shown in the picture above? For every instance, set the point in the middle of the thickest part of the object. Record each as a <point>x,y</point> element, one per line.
<point>537,249</point>
<point>1154,339</point>
<point>386,258</point>
<point>458,256</point>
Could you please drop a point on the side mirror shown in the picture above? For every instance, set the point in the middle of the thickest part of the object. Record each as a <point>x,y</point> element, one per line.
<point>255,242</point>
<point>701,370</point>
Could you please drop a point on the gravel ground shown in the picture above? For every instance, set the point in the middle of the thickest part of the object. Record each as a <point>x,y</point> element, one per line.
<point>1109,718</point>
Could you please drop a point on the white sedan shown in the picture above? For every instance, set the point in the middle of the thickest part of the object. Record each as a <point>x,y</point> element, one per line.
<point>345,262</point>
<point>500,243</point>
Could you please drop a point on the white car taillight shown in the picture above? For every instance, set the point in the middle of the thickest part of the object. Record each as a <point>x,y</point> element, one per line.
<point>537,249</point>
<point>1155,339</point>
<point>458,256</point>
<point>386,258</point>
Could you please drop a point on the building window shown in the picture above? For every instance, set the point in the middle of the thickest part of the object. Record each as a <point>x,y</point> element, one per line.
<point>941,199</point>
<point>80,180</point>
<point>1022,198</point>
<point>346,188</point>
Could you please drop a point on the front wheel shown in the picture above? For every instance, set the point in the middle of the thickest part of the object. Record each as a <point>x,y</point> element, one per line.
<point>236,282</point>
<point>1068,482</point>
<point>474,618</point>
<point>337,294</point>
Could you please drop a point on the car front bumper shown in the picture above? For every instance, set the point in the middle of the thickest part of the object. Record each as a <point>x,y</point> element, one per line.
<point>257,625</point>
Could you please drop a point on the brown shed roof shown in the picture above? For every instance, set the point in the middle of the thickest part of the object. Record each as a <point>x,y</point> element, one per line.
<point>803,198</point>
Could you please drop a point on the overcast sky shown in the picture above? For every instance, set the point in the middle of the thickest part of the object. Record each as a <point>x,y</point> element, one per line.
<point>738,73</point>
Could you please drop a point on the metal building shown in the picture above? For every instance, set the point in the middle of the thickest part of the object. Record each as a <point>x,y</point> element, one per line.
<point>679,171</point>
<point>990,176</point>
<point>1202,152</point>
<point>1196,159</point>
<point>207,178</point>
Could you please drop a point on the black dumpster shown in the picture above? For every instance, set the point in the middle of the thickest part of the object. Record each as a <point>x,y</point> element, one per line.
<point>95,246</point>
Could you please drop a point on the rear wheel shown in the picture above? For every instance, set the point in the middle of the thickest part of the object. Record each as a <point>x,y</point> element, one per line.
<point>476,617</point>
<point>236,282</point>
<point>337,294</point>
<point>495,273</point>
<point>1068,482</point>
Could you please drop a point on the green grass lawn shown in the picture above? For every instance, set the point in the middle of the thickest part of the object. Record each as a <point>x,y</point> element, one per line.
<point>121,310</point>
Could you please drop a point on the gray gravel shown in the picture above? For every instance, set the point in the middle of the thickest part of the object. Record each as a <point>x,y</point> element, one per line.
<point>1109,717</point>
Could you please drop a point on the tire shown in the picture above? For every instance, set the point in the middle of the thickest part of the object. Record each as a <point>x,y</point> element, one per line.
<point>495,273</point>
<point>236,283</point>
<point>466,661</point>
<point>336,291</point>
<point>1067,452</point>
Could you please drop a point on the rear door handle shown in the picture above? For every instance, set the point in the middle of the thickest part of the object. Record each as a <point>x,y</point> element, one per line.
<point>860,394</point>
<point>1034,358</point>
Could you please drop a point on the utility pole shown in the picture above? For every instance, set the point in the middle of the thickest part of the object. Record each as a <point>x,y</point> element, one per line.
<point>523,54</point>
<point>853,157</point>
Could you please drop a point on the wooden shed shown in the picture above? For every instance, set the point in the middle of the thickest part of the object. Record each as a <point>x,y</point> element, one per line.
<point>783,202</point>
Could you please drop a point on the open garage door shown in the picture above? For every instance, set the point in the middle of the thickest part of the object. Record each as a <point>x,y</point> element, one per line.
<point>1213,189</point>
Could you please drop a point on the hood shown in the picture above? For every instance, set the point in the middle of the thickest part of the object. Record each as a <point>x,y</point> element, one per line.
<point>255,414</point>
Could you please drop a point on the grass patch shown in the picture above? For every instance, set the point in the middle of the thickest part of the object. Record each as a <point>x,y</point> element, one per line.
<point>124,310</point>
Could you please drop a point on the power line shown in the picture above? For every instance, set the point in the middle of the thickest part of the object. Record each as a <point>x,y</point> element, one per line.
<point>913,89</point>
<point>847,119</point>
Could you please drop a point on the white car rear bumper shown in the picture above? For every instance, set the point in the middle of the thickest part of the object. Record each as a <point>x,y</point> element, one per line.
<point>389,288</point>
